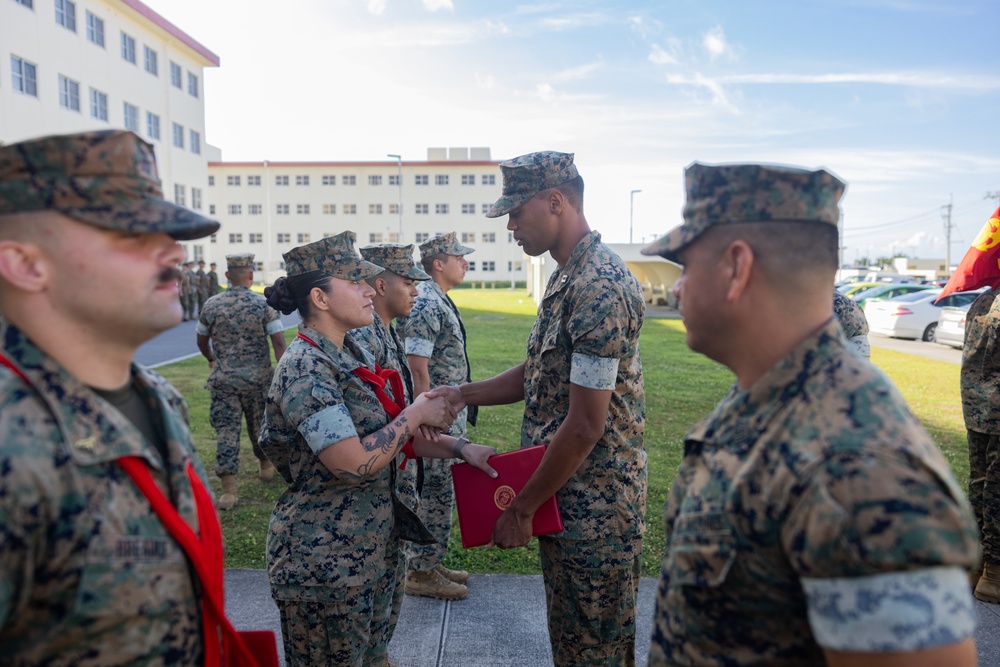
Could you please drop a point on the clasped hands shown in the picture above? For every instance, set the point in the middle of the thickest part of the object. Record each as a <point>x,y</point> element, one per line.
<point>442,406</point>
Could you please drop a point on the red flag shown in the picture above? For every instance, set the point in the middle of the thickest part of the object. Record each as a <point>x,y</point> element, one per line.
<point>981,265</point>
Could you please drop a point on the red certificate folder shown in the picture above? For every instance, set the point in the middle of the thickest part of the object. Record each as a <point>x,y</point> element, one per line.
<point>481,499</point>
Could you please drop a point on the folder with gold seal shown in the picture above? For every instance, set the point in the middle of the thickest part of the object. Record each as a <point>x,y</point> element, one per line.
<point>481,500</point>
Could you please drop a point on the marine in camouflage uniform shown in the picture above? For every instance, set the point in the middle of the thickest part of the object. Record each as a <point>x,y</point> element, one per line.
<point>213,281</point>
<point>232,333</point>
<point>853,323</point>
<point>435,335</point>
<point>89,575</point>
<point>202,285</point>
<point>980,384</point>
<point>186,291</point>
<point>811,512</point>
<point>583,394</point>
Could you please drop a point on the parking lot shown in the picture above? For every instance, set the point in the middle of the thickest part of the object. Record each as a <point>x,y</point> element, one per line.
<point>930,350</point>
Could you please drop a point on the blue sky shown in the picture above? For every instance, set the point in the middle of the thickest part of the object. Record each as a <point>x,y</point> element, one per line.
<point>900,98</point>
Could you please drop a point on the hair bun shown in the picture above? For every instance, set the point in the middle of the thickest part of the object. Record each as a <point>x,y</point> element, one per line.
<point>279,297</point>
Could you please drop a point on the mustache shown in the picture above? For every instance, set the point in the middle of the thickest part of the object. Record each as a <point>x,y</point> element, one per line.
<point>169,275</point>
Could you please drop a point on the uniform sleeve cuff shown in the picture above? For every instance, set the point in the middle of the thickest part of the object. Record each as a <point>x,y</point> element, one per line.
<point>419,347</point>
<point>201,329</point>
<point>328,427</point>
<point>593,372</point>
<point>273,327</point>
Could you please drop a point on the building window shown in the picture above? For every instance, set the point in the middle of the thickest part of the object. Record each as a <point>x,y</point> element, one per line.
<point>69,93</point>
<point>284,237</point>
<point>394,179</point>
<point>375,209</point>
<point>468,237</point>
<point>421,237</point>
<point>489,179</point>
<point>420,179</point>
<point>281,180</point>
<point>24,76</point>
<point>374,179</point>
<point>489,237</point>
<point>441,179</point>
<point>195,138</point>
<point>303,237</point>
<point>513,266</point>
<point>394,237</point>
<point>98,104</point>
<point>131,117</point>
<point>255,209</point>
<point>302,209</point>
<point>150,60</point>
<point>349,180</point>
<point>175,74</point>
<point>441,209</point>
<point>192,85</point>
<point>486,208</point>
<point>236,238</point>
<point>468,209</point>
<point>211,181</point>
<point>282,209</point>
<point>329,180</point>
<point>152,125</point>
<point>375,237</point>
<point>66,14</point>
<point>255,237</point>
<point>393,209</point>
<point>233,181</point>
<point>329,209</point>
<point>196,198</point>
<point>211,211</point>
<point>489,266</point>
<point>302,180</point>
<point>472,266</point>
<point>178,135</point>
<point>236,209</point>
<point>350,209</point>
<point>253,180</point>
<point>468,179</point>
<point>95,29</point>
<point>179,196</point>
<point>510,237</point>
<point>421,209</point>
<point>128,48</point>
<point>214,238</point>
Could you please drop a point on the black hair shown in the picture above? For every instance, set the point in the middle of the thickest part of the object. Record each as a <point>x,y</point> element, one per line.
<point>428,262</point>
<point>289,294</point>
<point>573,191</point>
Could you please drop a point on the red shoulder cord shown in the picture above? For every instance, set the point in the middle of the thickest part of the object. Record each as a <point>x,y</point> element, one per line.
<point>393,405</point>
<point>205,553</point>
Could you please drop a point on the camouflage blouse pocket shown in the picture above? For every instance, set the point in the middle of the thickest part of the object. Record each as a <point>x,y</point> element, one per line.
<point>702,550</point>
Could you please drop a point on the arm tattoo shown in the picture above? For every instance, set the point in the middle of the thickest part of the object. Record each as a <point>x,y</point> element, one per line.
<point>357,476</point>
<point>390,438</point>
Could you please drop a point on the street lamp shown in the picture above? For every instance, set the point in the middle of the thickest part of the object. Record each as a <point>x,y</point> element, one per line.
<point>631,208</point>
<point>399,183</point>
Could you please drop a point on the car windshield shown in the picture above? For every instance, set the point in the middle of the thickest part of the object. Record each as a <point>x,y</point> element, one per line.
<point>919,295</point>
<point>868,293</point>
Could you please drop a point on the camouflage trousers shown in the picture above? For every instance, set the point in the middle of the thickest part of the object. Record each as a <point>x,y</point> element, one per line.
<point>349,626</point>
<point>437,501</point>
<point>984,491</point>
<point>590,594</point>
<point>190,306</point>
<point>226,415</point>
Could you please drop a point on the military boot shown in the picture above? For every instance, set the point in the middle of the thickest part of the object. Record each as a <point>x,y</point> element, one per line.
<point>988,588</point>
<point>229,498</point>
<point>267,470</point>
<point>431,584</point>
<point>458,576</point>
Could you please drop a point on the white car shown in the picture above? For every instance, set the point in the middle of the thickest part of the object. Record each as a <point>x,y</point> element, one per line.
<point>913,315</point>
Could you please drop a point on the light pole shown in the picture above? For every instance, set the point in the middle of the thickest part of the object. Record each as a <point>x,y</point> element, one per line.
<point>399,183</point>
<point>631,208</point>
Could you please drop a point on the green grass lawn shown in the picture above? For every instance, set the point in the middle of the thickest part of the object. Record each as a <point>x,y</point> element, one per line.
<point>681,388</point>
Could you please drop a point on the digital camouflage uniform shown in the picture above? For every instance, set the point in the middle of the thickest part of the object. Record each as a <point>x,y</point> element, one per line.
<point>587,331</point>
<point>810,510</point>
<point>184,292</point>
<point>980,383</point>
<point>331,555</point>
<point>201,287</point>
<point>853,323</point>
<point>239,323</point>
<point>434,330</point>
<point>213,283</point>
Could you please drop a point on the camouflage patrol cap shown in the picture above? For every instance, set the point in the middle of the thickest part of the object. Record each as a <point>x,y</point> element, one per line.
<point>334,256</point>
<point>527,175</point>
<point>730,193</point>
<point>446,244</point>
<point>107,179</point>
<point>396,258</point>
<point>242,260</point>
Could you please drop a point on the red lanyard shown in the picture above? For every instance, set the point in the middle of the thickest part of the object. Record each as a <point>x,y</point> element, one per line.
<point>393,405</point>
<point>205,552</point>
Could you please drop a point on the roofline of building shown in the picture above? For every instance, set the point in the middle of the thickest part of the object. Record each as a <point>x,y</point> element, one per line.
<point>181,36</point>
<point>413,163</point>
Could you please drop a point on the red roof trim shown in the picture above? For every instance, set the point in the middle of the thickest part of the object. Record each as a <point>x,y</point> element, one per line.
<point>173,30</point>
<point>447,163</point>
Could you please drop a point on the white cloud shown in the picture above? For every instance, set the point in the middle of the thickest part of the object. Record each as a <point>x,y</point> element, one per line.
<point>905,78</point>
<point>714,42</point>
<point>578,73</point>
<point>719,96</point>
<point>435,5</point>
<point>376,7</point>
<point>660,56</point>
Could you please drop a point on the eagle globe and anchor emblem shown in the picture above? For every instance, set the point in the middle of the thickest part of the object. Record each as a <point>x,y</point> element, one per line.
<point>503,497</point>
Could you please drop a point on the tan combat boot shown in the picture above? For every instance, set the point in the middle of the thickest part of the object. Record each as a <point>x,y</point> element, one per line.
<point>431,584</point>
<point>229,498</point>
<point>458,576</point>
<point>267,470</point>
<point>988,588</point>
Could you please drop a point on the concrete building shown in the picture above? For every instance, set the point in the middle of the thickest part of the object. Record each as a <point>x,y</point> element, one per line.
<point>78,65</point>
<point>268,208</point>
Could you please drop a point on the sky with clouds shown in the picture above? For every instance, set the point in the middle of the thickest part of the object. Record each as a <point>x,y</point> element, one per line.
<point>900,98</point>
